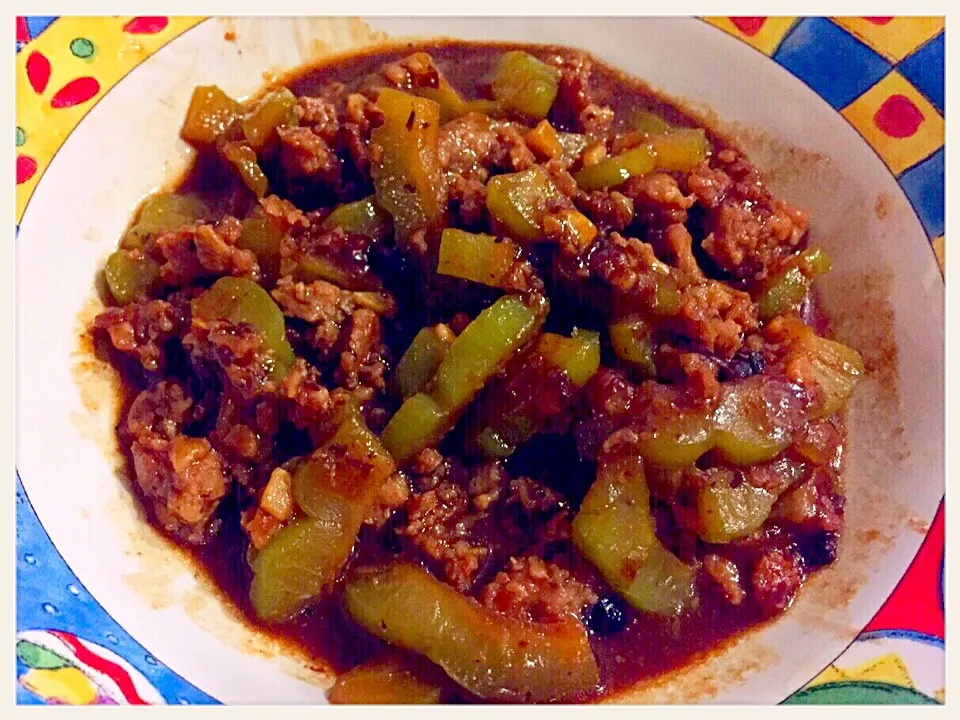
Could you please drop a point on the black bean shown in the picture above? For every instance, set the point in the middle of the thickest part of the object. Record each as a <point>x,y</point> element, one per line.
<point>742,365</point>
<point>608,616</point>
<point>819,549</point>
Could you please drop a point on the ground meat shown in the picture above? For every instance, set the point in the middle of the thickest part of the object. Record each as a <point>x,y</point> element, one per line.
<point>429,511</point>
<point>237,350</point>
<point>609,397</point>
<point>394,492</point>
<point>322,304</point>
<point>812,505</point>
<point>473,145</point>
<point>680,248</point>
<point>284,213</point>
<point>362,116</point>
<point>320,115</point>
<point>417,70</point>
<point>775,580</point>
<point>235,434</point>
<point>573,90</point>
<point>532,496</point>
<point>362,353</point>
<point>510,151</point>
<point>724,573</point>
<point>628,266</point>
<point>609,210</point>
<point>314,302</point>
<point>716,316</point>
<point>428,468</point>
<point>562,180</point>
<point>305,154</point>
<point>141,329</point>
<point>158,414</point>
<point>185,484</point>
<point>596,119</point>
<point>746,229</point>
<point>307,401</point>
<point>536,591</point>
<point>468,200</point>
<point>196,251</point>
<point>697,373</point>
<point>822,442</point>
<point>486,486</point>
<point>658,200</point>
<point>465,144</point>
<point>432,525</point>
<point>708,185</point>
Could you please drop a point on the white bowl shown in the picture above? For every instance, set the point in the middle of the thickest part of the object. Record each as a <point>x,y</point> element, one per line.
<point>886,294</point>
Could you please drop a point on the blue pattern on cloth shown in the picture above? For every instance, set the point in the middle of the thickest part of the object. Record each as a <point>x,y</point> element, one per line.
<point>837,66</point>
<point>923,185</point>
<point>50,597</point>
<point>924,69</point>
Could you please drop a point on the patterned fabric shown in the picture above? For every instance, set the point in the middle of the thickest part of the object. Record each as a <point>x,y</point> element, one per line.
<point>885,75</point>
<point>890,89</point>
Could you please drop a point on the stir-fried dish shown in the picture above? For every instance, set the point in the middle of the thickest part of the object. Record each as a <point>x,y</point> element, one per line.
<point>480,372</point>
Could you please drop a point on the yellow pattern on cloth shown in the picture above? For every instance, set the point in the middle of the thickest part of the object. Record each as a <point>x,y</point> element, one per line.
<point>117,53</point>
<point>767,39</point>
<point>898,153</point>
<point>888,668</point>
<point>66,685</point>
<point>894,38</point>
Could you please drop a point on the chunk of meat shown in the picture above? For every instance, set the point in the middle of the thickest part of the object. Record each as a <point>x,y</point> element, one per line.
<point>775,579</point>
<point>596,119</point>
<point>629,266</point>
<point>393,494</point>
<point>284,213</point>
<point>724,573</point>
<point>417,70</point>
<point>658,200</point>
<point>473,145</point>
<point>609,397</point>
<point>237,350</point>
<point>813,504</point>
<point>747,229</point>
<point>573,89</point>
<point>328,308</point>
<point>536,591</point>
<point>349,252</point>
<point>428,469</point>
<point>362,116</point>
<point>305,154</point>
<point>307,402</point>
<point>196,251</point>
<point>320,115</point>
<point>468,200</point>
<point>716,316</point>
<point>141,329</point>
<point>185,483</point>
<point>696,373</point>
<point>362,357</point>
<point>487,485</point>
<point>433,527</point>
<point>680,247</point>
<point>609,210</point>
<point>532,496</point>
<point>158,414</point>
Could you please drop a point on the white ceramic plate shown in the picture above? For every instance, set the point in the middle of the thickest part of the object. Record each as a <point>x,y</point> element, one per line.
<point>886,292</point>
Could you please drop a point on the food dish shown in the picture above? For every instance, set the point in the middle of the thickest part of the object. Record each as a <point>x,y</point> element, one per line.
<point>464,310</point>
<point>147,597</point>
